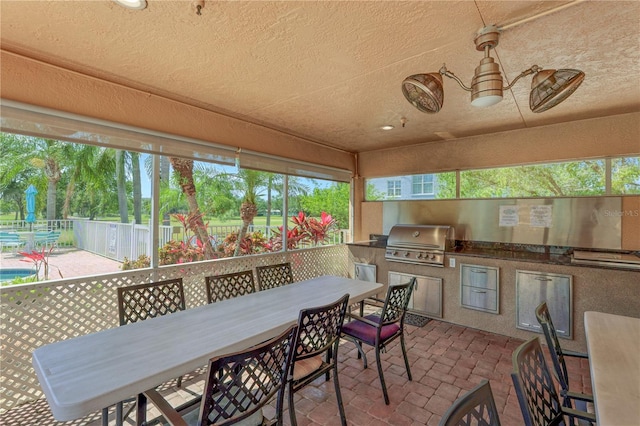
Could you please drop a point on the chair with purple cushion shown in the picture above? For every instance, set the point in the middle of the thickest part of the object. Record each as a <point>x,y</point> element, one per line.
<point>379,330</point>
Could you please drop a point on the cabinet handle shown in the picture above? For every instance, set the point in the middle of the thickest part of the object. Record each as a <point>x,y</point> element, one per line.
<point>526,324</point>
<point>543,279</point>
<point>478,291</point>
<point>479,271</point>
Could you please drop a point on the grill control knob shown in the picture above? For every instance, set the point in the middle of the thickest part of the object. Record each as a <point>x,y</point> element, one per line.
<point>419,256</point>
<point>432,256</point>
<point>407,254</point>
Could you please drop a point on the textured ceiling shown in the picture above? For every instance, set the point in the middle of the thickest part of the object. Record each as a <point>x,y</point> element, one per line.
<point>331,71</point>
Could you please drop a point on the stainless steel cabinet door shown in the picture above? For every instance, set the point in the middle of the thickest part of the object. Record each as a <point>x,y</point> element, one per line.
<point>533,288</point>
<point>426,298</point>
<point>365,272</point>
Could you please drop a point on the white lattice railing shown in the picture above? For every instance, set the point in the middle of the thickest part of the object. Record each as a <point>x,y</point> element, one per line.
<point>33,315</point>
<point>118,241</point>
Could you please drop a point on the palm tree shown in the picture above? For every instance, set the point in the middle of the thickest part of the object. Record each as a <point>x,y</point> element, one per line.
<point>251,181</point>
<point>15,170</point>
<point>137,186</point>
<point>91,168</point>
<point>184,169</point>
<point>52,157</point>
<point>121,181</point>
<point>128,164</point>
<point>275,182</point>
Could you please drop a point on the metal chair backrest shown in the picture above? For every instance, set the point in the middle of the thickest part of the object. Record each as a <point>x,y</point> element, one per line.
<point>319,328</point>
<point>555,350</point>
<point>539,401</point>
<point>240,384</point>
<point>271,276</point>
<point>476,407</point>
<point>396,303</point>
<point>227,286</point>
<point>142,301</point>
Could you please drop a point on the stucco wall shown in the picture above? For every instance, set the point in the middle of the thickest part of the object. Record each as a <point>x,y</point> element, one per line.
<point>617,135</point>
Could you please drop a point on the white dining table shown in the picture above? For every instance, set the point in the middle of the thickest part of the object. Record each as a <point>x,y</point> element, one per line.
<point>613,346</point>
<point>82,375</point>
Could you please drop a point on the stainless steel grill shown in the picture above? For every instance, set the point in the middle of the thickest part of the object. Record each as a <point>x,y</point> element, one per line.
<point>419,244</point>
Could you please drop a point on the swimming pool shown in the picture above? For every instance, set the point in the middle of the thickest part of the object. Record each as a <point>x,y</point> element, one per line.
<point>8,274</point>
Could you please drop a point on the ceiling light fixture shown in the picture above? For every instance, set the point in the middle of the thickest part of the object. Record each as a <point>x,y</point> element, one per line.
<point>133,4</point>
<point>548,88</point>
<point>387,127</point>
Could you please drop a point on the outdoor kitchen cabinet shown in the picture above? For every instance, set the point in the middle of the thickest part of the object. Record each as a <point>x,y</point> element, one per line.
<point>533,288</point>
<point>365,272</point>
<point>480,288</point>
<point>426,298</point>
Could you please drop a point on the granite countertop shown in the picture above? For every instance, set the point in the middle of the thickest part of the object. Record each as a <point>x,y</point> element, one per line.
<point>369,243</point>
<point>517,252</point>
<point>526,256</point>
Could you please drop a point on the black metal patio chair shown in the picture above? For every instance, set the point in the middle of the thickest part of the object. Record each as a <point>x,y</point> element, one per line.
<point>537,396</point>
<point>271,276</point>
<point>557,355</point>
<point>379,330</point>
<point>143,301</point>
<point>477,407</point>
<point>227,286</point>
<point>318,335</point>
<point>237,387</point>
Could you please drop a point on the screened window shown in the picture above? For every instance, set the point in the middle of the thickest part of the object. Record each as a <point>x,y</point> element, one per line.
<point>212,202</point>
<point>625,176</point>
<point>411,187</point>
<point>422,185</point>
<point>394,188</point>
<point>582,178</point>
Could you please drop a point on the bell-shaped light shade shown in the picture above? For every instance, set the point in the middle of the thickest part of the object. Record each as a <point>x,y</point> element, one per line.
<point>550,87</point>
<point>486,100</point>
<point>424,91</point>
<point>132,4</point>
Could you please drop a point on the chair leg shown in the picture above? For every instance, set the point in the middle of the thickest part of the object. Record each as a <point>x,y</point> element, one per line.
<point>292,410</point>
<point>329,356</point>
<point>381,375</point>
<point>336,384</point>
<point>404,354</point>
<point>361,353</point>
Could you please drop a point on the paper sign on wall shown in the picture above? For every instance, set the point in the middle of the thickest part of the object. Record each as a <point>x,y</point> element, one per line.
<point>540,216</point>
<point>509,216</point>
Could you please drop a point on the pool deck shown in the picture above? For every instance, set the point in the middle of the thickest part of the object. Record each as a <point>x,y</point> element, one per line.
<point>68,261</point>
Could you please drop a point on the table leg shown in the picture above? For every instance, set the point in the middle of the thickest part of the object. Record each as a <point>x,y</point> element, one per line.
<point>141,411</point>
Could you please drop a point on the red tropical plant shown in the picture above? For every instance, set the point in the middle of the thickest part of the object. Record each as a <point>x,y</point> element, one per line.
<point>190,248</point>
<point>252,243</point>
<point>40,259</point>
<point>306,229</point>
